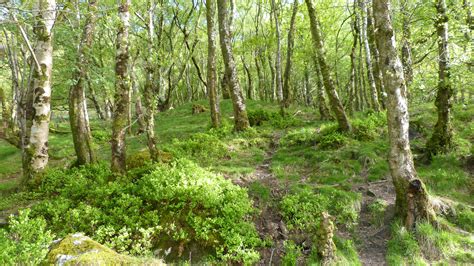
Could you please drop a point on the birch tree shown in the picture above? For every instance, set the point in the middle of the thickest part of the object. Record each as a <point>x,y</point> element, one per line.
<point>122,89</point>
<point>412,201</point>
<point>35,146</point>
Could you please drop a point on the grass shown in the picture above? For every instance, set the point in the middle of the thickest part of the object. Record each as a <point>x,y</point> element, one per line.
<point>311,155</point>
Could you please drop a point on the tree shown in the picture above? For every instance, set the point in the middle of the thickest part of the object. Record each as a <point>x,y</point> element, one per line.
<point>279,81</point>
<point>368,57</point>
<point>241,121</point>
<point>78,116</point>
<point>329,85</point>
<point>211,64</point>
<point>289,53</point>
<point>122,89</point>
<point>442,138</point>
<point>412,201</point>
<point>35,146</point>
<point>150,89</point>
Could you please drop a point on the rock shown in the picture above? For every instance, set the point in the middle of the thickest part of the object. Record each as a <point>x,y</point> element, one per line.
<point>78,249</point>
<point>370,193</point>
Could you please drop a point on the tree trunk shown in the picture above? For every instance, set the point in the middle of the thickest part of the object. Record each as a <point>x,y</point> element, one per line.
<point>211,64</point>
<point>271,93</point>
<point>406,46</point>
<point>78,115</point>
<point>442,139</point>
<point>261,78</point>
<point>318,43</point>
<point>122,90</point>
<point>279,83</point>
<point>368,58</point>
<point>353,79</point>
<point>375,52</point>
<point>35,150</point>
<point>323,109</point>
<point>289,54</point>
<point>241,121</point>
<point>249,79</point>
<point>412,203</point>
<point>150,91</point>
<point>307,87</point>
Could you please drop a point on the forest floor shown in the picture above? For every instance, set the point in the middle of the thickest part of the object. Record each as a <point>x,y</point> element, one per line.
<point>302,160</point>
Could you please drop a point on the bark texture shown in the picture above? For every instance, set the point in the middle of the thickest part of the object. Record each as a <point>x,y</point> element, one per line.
<point>278,77</point>
<point>368,57</point>
<point>35,148</point>
<point>211,64</point>
<point>412,203</point>
<point>241,121</point>
<point>78,116</point>
<point>122,90</point>
<point>442,138</point>
<point>289,54</point>
<point>329,85</point>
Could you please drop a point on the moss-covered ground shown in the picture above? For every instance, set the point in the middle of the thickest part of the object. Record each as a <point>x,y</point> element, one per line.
<point>298,166</point>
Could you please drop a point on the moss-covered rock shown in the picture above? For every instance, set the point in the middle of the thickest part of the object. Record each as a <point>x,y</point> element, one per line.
<point>78,249</point>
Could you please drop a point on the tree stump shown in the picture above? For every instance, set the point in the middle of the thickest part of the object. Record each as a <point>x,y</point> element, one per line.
<point>325,233</point>
<point>197,109</point>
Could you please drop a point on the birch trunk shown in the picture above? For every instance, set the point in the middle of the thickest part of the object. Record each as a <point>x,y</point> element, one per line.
<point>35,150</point>
<point>368,58</point>
<point>122,90</point>
<point>241,121</point>
<point>412,201</point>
<point>211,64</point>
<point>78,115</point>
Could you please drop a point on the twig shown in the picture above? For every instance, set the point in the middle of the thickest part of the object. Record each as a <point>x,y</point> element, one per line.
<point>25,37</point>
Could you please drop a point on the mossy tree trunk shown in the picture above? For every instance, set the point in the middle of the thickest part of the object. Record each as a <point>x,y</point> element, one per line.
<point>122,90</point>
<point>289,54</point>
<point>211,64</point>
<point>278,76</point>
<point>35,146</point>
<point>78,116</point>
<point>322,106</point>
<point>150,91</point>
<point>241,121</point>
<point>442,138</point>
<point>329,85</point>
<point>412,202</point>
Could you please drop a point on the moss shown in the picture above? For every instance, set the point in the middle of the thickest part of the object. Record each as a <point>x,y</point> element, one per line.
<point>79,249</point>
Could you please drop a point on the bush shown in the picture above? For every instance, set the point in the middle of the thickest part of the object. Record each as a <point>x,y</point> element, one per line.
<point>302,136</point>
<point>369,128</point>
<point>101,135</point>
<point>333,140</point>
<point>260,116</point>
<point>200,145</point>
<point>25,241</point>
<point>377,211</point>
<point>302,210</point>
<point>162,206</point>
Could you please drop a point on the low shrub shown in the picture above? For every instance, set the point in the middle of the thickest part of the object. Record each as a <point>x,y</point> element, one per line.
<point>259,117</point>
<point>25,241</point>
<point>165,205</point>
<point>200,145</point>
<point>369,128</point>
<point>377,211</point>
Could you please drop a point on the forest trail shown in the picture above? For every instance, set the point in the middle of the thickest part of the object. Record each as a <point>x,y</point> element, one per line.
<point>269,222</point>
<point>373,239</point>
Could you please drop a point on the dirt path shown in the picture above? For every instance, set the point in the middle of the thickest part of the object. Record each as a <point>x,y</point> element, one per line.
<point>269,222</point>
<point>372,246</point>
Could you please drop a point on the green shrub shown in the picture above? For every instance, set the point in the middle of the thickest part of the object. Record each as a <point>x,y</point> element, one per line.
<point>403,248</point>
<point>292,253</point>
<point>161,206</point>
<point>302,136</point>
<point>260,116</point>
<point>101,135</point>
<point>302,210</point>
<point>369,128</point>
<point>377,211</point>
<point>465,218</point>
<point>25,241</point>
<point>200,145</point>
<point>197,205</point>
<point>332,141</point>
